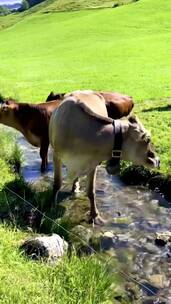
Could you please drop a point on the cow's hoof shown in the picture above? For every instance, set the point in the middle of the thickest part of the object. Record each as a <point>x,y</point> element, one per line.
<point>98,220</point>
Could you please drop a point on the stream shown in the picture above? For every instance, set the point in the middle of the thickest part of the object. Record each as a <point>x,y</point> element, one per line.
<point>133,214</point>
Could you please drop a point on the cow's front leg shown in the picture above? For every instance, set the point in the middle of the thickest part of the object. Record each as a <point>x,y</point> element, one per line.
<point>43,154</point>
<point>57,177</point>
<point>94,214</point>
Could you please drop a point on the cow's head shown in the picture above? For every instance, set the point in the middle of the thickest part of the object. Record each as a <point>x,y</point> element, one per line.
<point>137,146</point>
<point>6,109</point>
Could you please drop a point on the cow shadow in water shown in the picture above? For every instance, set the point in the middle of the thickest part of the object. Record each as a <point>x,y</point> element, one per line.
<point>27,207</point>
<point>159,109</point>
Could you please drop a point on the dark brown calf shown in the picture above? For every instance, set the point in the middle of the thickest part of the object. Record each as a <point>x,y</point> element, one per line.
<point>32,120</point>
<point>118,105</point>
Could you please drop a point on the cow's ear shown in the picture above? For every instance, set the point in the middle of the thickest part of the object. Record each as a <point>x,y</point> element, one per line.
<point>133,119</point>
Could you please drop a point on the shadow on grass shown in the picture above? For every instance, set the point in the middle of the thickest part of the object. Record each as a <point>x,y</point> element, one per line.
<point>160,109</point>
<point>27,207</point>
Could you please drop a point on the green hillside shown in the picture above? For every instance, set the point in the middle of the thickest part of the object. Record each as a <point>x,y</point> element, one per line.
<point>126,49</point>
<point>68,5</point>
<point>51,6</point>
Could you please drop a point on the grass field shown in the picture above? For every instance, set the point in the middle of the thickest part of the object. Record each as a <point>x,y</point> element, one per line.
<point>125,49</point>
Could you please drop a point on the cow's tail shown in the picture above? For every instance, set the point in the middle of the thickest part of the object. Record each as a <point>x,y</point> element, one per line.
<point>97,117</point>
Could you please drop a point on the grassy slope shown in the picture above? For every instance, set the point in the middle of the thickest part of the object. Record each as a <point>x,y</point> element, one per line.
<point>58,6</point>
<point>125,49</point>
<point>68,5</point>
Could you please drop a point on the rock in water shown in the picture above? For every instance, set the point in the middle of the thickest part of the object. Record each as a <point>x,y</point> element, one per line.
<point>48,248</point>
<point>162,238</point>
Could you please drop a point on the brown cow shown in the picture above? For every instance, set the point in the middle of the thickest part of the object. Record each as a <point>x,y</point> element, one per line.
<point>32,120</point>
<point>117,104</point>
<point>87,139</point>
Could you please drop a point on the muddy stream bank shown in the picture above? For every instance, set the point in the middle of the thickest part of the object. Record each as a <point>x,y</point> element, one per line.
<point>133,214</point>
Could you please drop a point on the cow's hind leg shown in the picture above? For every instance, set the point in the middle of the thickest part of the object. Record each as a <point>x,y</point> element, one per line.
<point>43,154</point>
<point>94,214</point>
<point>57,177</point>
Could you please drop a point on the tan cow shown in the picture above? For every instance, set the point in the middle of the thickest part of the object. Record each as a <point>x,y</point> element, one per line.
<point>87,139</point>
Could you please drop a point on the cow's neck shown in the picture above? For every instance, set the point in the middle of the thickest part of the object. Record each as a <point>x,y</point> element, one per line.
<point>13,123</point>
<point>109,138</point>
<point>107,141</point>
<point>125,135</point>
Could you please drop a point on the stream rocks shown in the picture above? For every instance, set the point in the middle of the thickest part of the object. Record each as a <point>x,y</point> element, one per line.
<point>80,237</point>
<point>159,280</point>
<point>162,238</point>
<point>49,248</point>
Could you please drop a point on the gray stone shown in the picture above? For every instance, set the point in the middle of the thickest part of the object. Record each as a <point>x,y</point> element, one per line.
<point>159,280</point>
<point>162,238</point>
<point>107,240</point>
<point>151,248</point>
<point>80,237</point>
<point>44,247</point>
<point>80,234</point>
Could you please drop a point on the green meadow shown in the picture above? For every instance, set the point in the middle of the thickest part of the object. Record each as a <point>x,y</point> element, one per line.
<point>125,49</point>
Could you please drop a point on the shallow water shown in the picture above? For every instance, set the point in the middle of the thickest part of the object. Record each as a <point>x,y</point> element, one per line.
<point>133,214</point>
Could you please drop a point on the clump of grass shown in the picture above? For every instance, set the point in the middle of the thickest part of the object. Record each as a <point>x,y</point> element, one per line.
<point>10,152</point>
<point>10,157</point>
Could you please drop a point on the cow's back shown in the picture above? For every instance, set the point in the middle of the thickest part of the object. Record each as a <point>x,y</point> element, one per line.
<point>74,130</point>
<point>92,100</point>
<point>117,104</point>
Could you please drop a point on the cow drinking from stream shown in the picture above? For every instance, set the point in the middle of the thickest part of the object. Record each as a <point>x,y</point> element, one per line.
<point>84,141</point>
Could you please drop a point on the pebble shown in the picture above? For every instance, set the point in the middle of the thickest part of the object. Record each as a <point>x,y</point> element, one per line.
<point>159,280</point>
